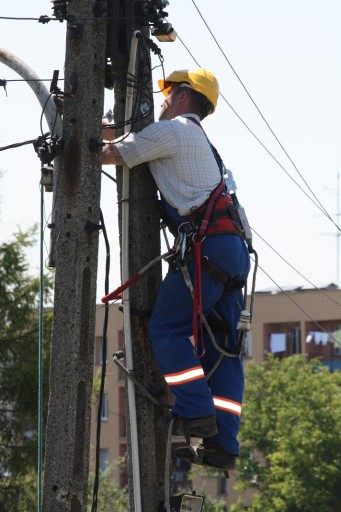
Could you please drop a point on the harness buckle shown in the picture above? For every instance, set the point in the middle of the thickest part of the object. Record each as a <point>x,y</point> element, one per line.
<point>198,239</point>
<point>186,228</point>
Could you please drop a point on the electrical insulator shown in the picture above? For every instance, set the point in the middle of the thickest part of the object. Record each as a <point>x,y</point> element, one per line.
<point>244,323</point>
<point>59,9</point>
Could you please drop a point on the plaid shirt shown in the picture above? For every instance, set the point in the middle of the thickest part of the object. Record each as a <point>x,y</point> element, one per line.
<point>180,160</point>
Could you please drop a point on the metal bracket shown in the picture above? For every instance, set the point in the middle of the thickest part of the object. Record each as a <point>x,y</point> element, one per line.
<point>229,181</point>
<point>120,355</point>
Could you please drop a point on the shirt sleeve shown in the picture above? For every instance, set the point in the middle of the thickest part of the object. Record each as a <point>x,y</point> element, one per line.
<point>156,141</point>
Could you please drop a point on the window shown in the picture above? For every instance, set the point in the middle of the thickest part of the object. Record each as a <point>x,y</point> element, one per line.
<point>99,350</point>
<point>121,409</point>
<point>181,481</point>
<point>105,407</point>
<point>337,340</point>
<point>278,342</point>
<point>103,459</point>
<point>295,340</point>
<point>283,340</point>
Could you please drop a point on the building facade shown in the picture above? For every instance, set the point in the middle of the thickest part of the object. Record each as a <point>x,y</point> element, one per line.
<point>301,321</point>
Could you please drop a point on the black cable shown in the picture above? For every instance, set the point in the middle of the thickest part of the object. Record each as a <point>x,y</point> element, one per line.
<point>291,266</point>
<point>139,87</point>
<point>18,144</point>
<point>282,167</point>
<point>264,119</point>
<point>104,365</point>
<point>42,115</point>
<point>45,19</point>
<point>30,80</point>
<point>300,308</point>
<point>109,176</point>
<point>322,210</point>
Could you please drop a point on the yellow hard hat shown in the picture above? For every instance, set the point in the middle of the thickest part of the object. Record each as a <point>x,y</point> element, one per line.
<point>199,79</point>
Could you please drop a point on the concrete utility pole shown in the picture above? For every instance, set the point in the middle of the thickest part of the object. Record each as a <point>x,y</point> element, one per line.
<point>77,200</point>
<point>144,236</point>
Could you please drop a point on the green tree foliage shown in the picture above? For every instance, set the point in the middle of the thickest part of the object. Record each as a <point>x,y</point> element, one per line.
<point>19,334</point>
<point>111,497</point>
<point>291,437</point>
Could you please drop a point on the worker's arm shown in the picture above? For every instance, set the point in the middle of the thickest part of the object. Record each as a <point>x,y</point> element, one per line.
<point>111,155</point>
<point>107,133</point>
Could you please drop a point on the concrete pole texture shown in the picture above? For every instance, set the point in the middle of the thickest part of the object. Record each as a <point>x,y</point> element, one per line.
<point>77,205</point>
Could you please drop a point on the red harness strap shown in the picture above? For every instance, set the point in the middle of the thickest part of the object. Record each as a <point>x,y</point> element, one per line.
<point>198,238</point>
<point>197,317</point>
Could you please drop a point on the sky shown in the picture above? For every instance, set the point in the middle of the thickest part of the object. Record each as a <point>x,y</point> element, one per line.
<point>282,56</point>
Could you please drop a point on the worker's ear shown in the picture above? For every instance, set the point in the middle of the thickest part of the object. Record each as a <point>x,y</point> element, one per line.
<point>183,97</point>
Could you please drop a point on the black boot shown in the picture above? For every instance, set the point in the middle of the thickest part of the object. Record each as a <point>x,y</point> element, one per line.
<point>197,427</point>
<point>208,454</point>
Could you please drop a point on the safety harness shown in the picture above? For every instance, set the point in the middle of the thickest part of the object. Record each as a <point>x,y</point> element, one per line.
<point>217,215</point>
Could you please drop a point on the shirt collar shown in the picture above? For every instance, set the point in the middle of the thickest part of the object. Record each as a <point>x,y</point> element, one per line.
<point>195,116</point>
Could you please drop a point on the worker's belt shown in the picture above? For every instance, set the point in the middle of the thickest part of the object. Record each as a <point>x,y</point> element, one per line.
<point>224,218</point>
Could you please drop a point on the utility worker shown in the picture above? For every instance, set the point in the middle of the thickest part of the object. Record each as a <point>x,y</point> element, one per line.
<point>187,172</point>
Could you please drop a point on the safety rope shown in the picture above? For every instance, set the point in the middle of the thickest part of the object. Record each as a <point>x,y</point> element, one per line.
<point>117,294</point>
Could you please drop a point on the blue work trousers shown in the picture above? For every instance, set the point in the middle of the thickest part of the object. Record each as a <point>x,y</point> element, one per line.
<point>170,329</point>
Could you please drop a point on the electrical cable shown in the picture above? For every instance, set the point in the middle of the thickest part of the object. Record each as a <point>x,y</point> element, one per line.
<point>264,119</point>
<point>299,273</point>
<point>300,307</point>
<point>46,19</point>
<point>42,116</point>
<point>19,144</point>
<point>109,176</point>
<point>135,84</point>
<point>29,80</point>
<point>103,373</point>
<point>322,210</point>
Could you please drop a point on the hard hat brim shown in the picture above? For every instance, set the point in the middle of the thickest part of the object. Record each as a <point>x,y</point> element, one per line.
<point>164,88</point>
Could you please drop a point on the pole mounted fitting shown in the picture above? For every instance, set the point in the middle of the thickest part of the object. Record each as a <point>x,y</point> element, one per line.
<point>59,9</point>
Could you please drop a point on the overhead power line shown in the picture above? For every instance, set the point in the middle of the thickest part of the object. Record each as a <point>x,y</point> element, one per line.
<point>299,273</point>
<point>27,80</point>
<point>18,144</point>
<point>46,19</point>
<point>322,208</point>
<point>319,206</point>
<point>300,307</point>
<point>260,142</point>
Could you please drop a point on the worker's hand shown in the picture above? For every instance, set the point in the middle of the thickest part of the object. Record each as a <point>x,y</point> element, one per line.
<point>110,155</point>
<point>107,133</point>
